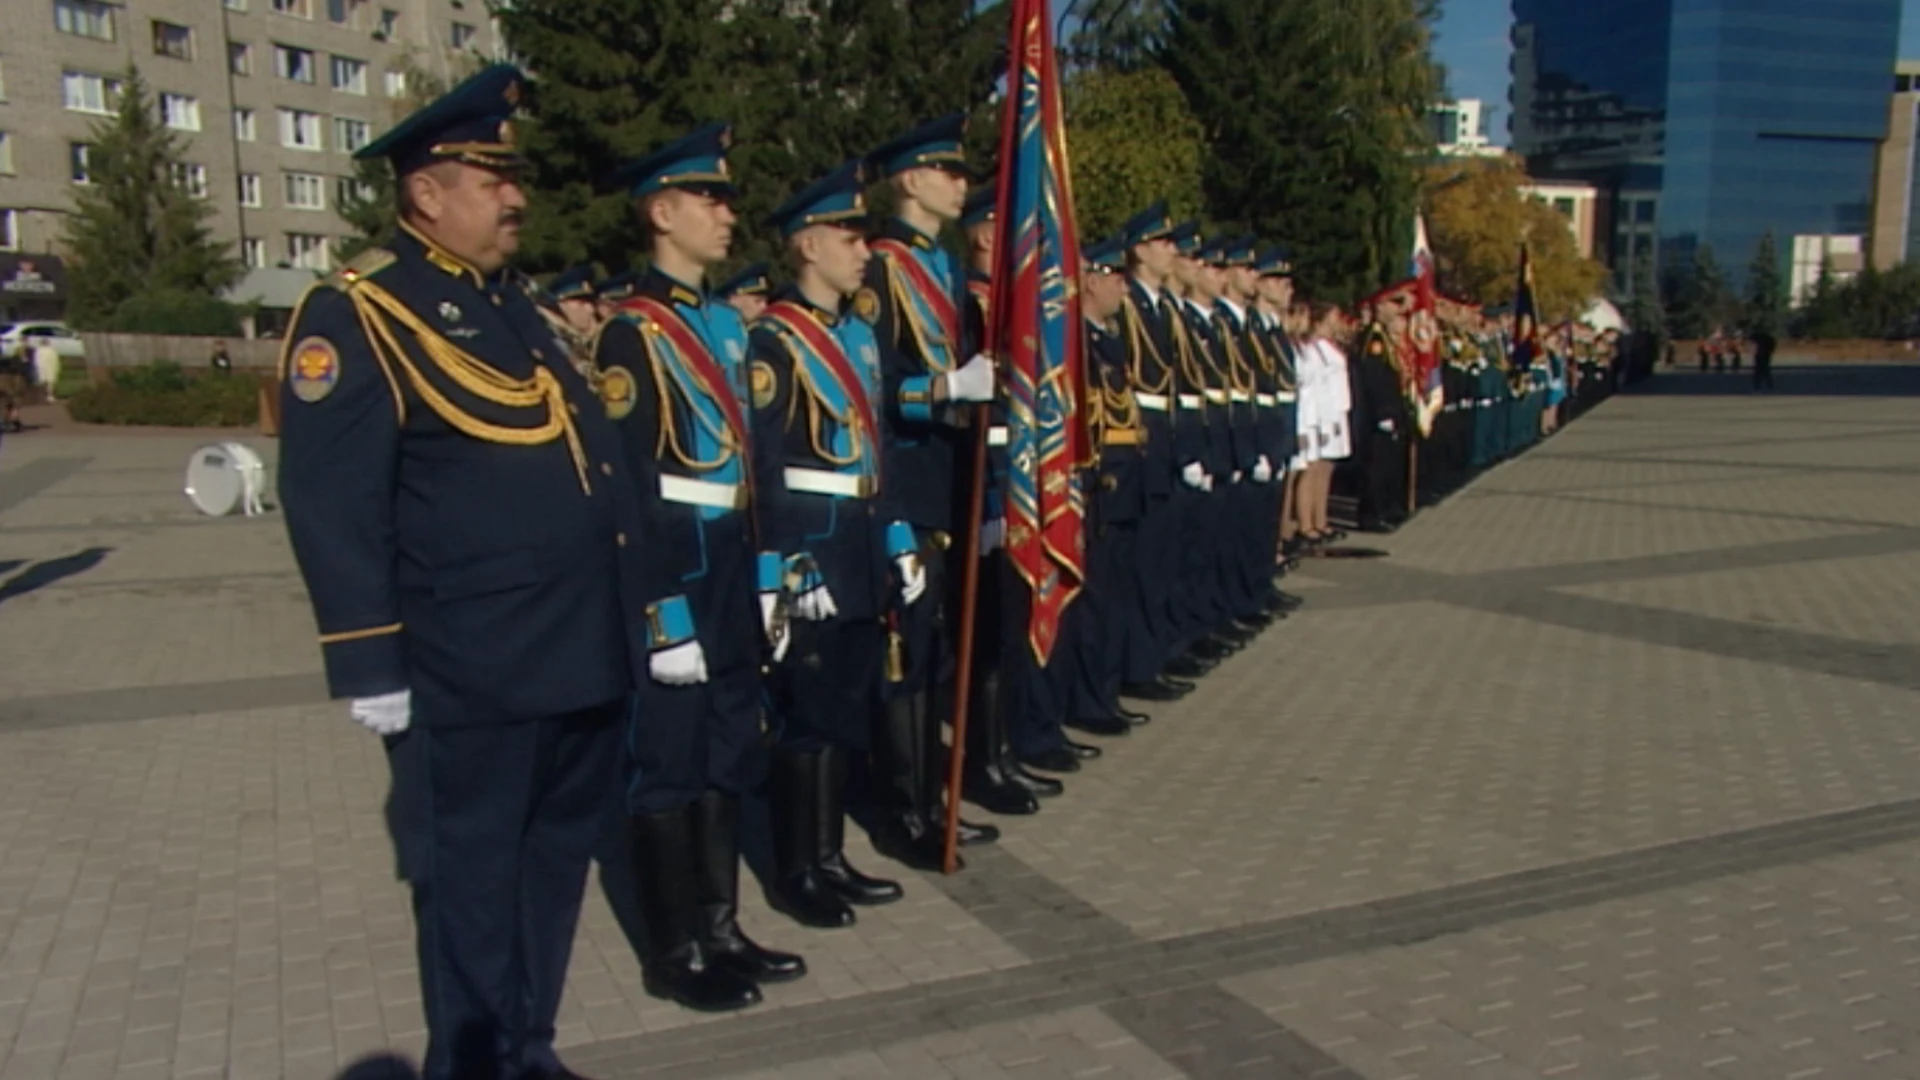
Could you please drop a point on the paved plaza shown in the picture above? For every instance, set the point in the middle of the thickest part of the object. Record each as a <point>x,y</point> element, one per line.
<point>1611,769</point>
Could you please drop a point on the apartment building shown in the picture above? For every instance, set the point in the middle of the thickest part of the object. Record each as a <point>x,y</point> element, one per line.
<point>271,97</point>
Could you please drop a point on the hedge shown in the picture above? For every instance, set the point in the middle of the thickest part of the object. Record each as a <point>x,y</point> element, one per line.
<point>164,395</point>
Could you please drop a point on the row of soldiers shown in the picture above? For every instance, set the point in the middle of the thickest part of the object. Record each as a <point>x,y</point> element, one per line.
<point>589,539</point>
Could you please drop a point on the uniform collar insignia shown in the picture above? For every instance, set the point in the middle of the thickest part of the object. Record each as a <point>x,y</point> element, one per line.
<point>444,259</point>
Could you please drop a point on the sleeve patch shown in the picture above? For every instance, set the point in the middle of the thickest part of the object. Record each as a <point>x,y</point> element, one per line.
<point>866,305</point>
<point>764,384</point>
<point>617,392</point>
<point>314,370</point>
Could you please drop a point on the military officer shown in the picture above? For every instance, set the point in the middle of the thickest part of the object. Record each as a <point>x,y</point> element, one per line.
<point>747,292</point>
<point>1381,424</point>
<point>462,517</point>
<point>816,387</point>
<point>672,366</point>
<point>612,292</point>
<point>1255,375</point>
<point>1146,323</point>
<point>1274,314</point>
<point>933,381</point>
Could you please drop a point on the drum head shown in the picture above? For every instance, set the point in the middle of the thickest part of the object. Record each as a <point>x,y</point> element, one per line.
<point>213,480</point>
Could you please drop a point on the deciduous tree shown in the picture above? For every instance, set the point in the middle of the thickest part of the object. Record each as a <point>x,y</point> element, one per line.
<point>1132,139</point>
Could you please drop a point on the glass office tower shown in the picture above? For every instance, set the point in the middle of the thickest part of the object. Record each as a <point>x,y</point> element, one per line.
<point>1743,115</point>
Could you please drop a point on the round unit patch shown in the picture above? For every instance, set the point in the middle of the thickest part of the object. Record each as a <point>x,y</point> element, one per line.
<point>617,392</point>
<point>763,383</point>
<point>314,369</point>
<point>866,304</point>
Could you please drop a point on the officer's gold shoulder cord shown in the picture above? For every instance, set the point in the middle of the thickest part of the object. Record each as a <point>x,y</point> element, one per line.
<point>668,381</point>
<point>1139,345</point>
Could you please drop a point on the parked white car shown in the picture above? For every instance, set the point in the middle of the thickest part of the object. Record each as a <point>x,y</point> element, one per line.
<point>18,340</point>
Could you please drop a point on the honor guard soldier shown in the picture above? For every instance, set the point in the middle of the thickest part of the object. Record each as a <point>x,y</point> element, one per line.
<point>462,517</point>
<point>816,388</point>
<point>672,365</point>
<point>570,296</point>
<point>1251,372</point>
<point>932,379</point>
<point>747,292</point>
<point>1146,331</point>
<point>613,292</point>
<point>1273,312</point>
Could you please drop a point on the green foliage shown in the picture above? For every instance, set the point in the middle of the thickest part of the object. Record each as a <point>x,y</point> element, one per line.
<point>1478,219</point>
<point>172,311</point>
<point>1132,139</point>
<point>1315,119</point>
<point>134,229</point>
<point>1701,302</point>
<point>1876,304</point>
<point>1121,35</point>
<point>164,395</point>
<point>1644,311</point>
<point>804,91</point>
<point>1766,306</point>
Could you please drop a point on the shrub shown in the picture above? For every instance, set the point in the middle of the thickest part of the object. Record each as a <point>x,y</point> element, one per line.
<point>164,395</point>
<point>173,311</point>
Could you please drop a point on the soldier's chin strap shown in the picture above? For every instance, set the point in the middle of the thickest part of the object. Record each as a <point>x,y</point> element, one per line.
<point>376,306</point>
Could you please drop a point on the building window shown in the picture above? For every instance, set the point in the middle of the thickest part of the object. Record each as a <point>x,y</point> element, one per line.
<point>305,191</point>
<point>350,134</point>
<point>240,58</point>
<point>180,112</point>
<point>87,18</point>
<point>347,13</point>
<point>172,39</point>
<point>1564,205</point>
<point>236,5</point>
<point>388,25</point>
<point>396,84</point>
<point>462,35</point>
<point>293,64</point>
<point>243,126</point>
<point>90,93</point>
<point>77,162</point>
<point>250,190</point>
<point>308,252</point>
<point>3,80</point>
<point>349,75</point>
<point>9,230</point>
<point>300,130</point>
<point>351,190</point>
<point>6,153</point>
<point>299,9</point>
<point>253,252</point>
<point>189,177</point>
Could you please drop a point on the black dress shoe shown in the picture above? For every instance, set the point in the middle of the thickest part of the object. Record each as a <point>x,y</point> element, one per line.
<point>1236,636</point>
<point>1083,751</point>
<point>1288,600</point>
<point>1045,787</point>
<point>1054,759</point>
<point>1260,620</point>
<point>1188,667</point>
<point>1152,691</point>
<point>1251,625</point>
<point>855,887</point>
<point>1130,717</point>
<point>748,960</point>
<point>1181,685</point>
<point>971,834</point>
<point>1109,726</point>
<point>1211,648</point>
<point>997,794</point>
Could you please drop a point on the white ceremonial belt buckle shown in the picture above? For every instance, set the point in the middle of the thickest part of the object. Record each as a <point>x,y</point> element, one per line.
<point>1218,397</point>
<point>998,435</point>
<point>685,489</point>
<point>1286,397</point>
<point>1242,396</point>
<point>1190,401</point>
<point>1267,400</point>
<point>1156,402</point>
<point>827,482</point>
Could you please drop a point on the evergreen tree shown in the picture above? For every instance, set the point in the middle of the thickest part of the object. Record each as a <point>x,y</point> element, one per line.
<point>1121,35</point>
<point>1700,298</point>
<point>1766,292</point>
<point>1644,312</point>
<point>1132,140</point>
<point>136,228</point>
<point>806,84</point>
<point>372,211</point>
<point>1315,117</point>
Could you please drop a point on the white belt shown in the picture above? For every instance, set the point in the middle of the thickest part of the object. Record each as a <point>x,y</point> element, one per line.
<point>1449,408</point>
<point>1485,402</point>
<point>1218,397</point>
<point>1156,402</point>
<point>1286,397</point>
<point>683,489</point>
<point>1265,399</point>
<point>997,435</point>
<point>1242,396</point>
<point>1190,401</point>
<point>828,482</point>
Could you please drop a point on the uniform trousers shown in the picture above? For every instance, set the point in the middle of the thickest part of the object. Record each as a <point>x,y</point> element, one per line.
<point>1153,631</point>
<point>682,740</point>
<point>829,686</point>
<point>1103,624</point>
<point>495,826</point>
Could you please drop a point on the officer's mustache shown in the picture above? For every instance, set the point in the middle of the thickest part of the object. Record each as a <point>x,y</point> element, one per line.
<point>512,217</point>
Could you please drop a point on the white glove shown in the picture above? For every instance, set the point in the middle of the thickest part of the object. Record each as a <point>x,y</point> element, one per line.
<point>779,631</point>
<point>1236,476</point>
<point>1195,475</point>
<point>1386,425</point>
<point>993,535</point>
<point>815,605</point>
<point>1206,484</point>
<point>1262,470</point>
<point>972,381</point>
<point>684,664</point>
<point>913,577</point>
<point>383,714</point>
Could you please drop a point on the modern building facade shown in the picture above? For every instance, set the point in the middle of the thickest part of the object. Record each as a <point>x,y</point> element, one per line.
<point>1460,129</point>
<point>1896,225</point>
<point>1731,117</point>
<point>270,96</point>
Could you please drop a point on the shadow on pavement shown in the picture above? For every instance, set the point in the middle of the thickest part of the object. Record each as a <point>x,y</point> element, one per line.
<point>48,571</point>
<point>1823,380</point>
<point>381,1067</point>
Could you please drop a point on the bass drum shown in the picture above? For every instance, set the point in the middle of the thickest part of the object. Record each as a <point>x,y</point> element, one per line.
<point>225,477</point>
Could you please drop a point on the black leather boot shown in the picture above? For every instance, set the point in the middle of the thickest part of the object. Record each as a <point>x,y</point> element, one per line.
<point>799,889</point>
<point>987,781</point>
<point>830,820</point>
<point>908,833</point>
<point>717,852</point>
<point>672,965</point>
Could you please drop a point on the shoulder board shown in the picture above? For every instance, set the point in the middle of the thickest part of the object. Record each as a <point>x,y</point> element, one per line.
<point>364,265</point>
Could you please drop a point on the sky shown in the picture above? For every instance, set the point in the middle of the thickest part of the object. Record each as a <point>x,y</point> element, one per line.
<point>1473,44</point>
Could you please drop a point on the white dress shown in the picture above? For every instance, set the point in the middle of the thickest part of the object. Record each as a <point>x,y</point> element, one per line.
<point>1306,404</point>
<point>1337,406</point>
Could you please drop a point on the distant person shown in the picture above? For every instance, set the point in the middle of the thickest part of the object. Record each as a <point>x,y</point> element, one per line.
<point>1763,346</point>
<point>221,361</point>
<point>46,368</point>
